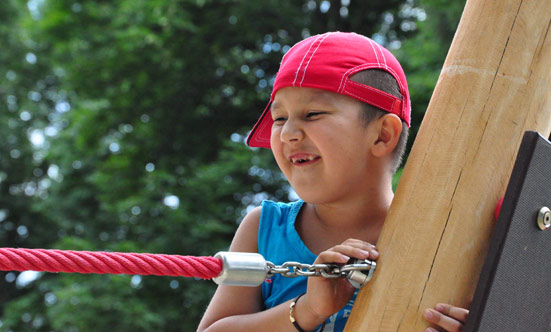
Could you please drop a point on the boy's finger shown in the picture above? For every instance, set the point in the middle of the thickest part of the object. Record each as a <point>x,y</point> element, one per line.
<point>363,252</point>
<point>366,246</point>
<point>443,321</point>
<point>354,241</point>
<point>359,244</point>
<point>332,257</point>
<point>457,313</point>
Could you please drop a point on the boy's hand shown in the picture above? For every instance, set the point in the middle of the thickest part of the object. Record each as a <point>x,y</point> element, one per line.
<point>326,296</point>
<point>446,316</point>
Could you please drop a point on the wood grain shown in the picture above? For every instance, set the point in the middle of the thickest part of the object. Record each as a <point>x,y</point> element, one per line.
<point>494,85</point>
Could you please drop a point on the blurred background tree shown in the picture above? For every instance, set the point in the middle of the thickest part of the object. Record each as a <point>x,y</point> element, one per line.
<point>122,126</point>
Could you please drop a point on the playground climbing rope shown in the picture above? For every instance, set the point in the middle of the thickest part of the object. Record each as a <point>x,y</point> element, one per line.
<point>228,268</point>
<point>69,261</point>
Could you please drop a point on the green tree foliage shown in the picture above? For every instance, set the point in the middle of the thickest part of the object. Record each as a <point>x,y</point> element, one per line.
<point>24,85</point>
<point>122,125</point>
<point>423,54</point>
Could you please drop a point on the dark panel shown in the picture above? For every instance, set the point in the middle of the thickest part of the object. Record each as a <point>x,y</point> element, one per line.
<point>514,289</point>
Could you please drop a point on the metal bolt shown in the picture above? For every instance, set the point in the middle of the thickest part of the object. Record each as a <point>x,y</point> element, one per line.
<point>544,218</point>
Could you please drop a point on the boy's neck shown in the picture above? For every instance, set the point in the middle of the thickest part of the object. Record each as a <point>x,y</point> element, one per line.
<point>360,217</point>
<point>357,213</point>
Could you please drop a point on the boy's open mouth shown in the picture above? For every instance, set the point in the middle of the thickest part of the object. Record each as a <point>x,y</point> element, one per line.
<point>303,159</point>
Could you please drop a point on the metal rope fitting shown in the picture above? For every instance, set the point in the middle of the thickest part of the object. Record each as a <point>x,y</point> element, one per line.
<point>359,271</point>
<point>241,269</point>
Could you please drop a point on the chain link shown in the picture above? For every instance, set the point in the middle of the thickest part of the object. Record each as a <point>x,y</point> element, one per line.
<point>295,269</point>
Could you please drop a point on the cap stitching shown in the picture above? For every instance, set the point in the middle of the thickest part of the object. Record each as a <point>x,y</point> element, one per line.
<point>304,57</point>
<point>404,99</point>
<point>259,128</point>
<point>382,53</point>
<point>363,66</point>
<point>405,95</point>
<point>370,102</point>
<point>306,67</point>
<point>372,88</point>
<point>263,126</point>
<point>393,98</point>
<point>374,51</point>
<point>368,65</point>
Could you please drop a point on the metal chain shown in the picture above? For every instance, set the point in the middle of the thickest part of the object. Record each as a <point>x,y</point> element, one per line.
<point>295,269</point>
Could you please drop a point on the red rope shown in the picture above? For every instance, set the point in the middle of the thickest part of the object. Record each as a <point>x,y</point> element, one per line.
<point>12,259</point>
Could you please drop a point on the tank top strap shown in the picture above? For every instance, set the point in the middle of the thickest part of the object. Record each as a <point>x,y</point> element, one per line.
<point>277,230</point>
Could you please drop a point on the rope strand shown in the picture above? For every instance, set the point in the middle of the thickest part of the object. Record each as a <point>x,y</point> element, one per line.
<point>12,259</point>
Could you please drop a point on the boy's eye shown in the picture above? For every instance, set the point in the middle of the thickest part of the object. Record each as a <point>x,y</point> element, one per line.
<point>313,114</point>
<point>279,119</point>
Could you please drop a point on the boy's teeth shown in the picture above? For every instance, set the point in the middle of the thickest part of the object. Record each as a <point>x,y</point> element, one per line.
<point>301,160</point>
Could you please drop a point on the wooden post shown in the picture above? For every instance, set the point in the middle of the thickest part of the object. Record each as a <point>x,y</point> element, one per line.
<point>494,85</point>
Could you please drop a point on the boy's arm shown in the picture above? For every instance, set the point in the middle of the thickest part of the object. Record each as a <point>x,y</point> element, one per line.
<point>235,308</point>
<point>233,300</point>
<point>241,309</point>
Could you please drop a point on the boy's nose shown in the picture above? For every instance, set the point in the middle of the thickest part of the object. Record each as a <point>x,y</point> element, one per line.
<point>292,131</point>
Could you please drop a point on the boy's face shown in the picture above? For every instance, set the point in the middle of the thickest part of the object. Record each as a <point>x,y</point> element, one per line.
<point>320,144</point>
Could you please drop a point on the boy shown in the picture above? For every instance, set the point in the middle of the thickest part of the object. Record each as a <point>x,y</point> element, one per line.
<point>337,125</point>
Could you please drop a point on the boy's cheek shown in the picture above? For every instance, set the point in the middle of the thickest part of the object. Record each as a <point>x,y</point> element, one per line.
<point>280,160</point>
<point>275,137</point>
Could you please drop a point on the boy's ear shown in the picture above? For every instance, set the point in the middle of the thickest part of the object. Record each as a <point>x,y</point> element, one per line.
<point>389,128</point>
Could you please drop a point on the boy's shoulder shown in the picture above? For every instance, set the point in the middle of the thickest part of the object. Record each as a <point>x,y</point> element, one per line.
<point>264,219</point>
<point>278,217</point>
<point>276,210</point>
<point>281,205</point>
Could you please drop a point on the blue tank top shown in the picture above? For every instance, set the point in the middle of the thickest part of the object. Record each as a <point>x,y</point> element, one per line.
<point>279,242</point>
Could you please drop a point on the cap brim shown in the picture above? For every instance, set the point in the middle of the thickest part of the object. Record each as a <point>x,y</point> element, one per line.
<point>259,137</point>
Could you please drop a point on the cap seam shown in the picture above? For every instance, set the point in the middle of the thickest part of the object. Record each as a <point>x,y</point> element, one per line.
<point>370,102</point>
<point>363,66</point>
<point>382,53</point>
<point>374,51</point>
<point>304,57</point>
<point>374,103</point>
<point>369,66</point>
<point>384,93</point>
<point>314,53</point>
<point>405,102</point>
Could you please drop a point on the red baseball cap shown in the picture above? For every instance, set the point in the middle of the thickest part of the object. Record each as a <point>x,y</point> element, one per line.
<point>326,62</point>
